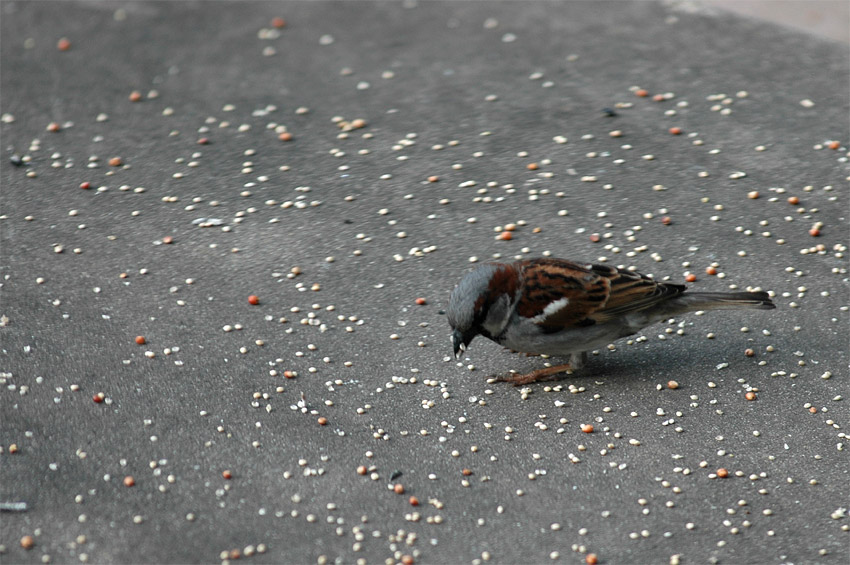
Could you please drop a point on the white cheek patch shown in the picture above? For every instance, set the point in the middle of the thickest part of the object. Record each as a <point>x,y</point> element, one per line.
<point>550,309</point>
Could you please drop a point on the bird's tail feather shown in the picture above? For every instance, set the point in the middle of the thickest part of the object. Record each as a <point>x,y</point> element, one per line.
<point>691,301</point>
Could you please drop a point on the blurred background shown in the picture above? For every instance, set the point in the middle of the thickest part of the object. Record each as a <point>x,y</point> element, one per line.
<point>826,18</point>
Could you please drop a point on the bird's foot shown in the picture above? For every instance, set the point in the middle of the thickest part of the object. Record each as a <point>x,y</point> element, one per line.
<point>534,376</point>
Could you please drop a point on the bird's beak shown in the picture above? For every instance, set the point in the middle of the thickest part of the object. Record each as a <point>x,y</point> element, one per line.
<point>457,343</point>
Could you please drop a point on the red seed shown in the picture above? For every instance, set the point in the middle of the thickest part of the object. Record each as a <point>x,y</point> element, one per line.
<point>85,185</point>
<point>466,472</point>
<point>750,395</point>
<point>285,136</point>
<point>753,195</point>
<point>361,470</point>
<point>532,166</point>
<point>116,162</point>
<point>833,144</point>
<point>203,141</point>
<point>63,44</point>
<point>135,96</point>
<point>129,481</point>
<point>666,220</point>
<point>591,559</point>
<point>594,237</point>
<point>98,398</point>
<point>641,92</point>
<point>793,200</point>
<point>749,352</point>
<point>54,127</point>
<point>27,542</point>
<point>675,130</point>
<point>168,240</point>
<point>433,178</point>
<point>506,236</point>
<point>711,271</point>
<point>421,301</point>
<point>407,560</point>
<point>658,98</point>
<point>690,277</point>
<point>814,232</point>
<point>672,385</point>
<point>227,474</point>
<point>722,473</point>
<point>254,299</point>
<point>140,339</point>
<point>587,428</point>
<point>813,410</point>
<point>289,374</point>
<point>413,501</point>
<point>398,488</point>
<point>235,554</point>
<point>322,421</point>
<point>278,22</point>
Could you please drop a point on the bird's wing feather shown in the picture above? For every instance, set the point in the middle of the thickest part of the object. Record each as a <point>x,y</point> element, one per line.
<point>558,294</point>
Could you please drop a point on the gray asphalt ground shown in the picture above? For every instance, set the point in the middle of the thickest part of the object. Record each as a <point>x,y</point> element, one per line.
<point>328,422</point>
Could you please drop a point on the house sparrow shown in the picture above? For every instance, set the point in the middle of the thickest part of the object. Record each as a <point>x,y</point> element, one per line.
<point>558,307</point>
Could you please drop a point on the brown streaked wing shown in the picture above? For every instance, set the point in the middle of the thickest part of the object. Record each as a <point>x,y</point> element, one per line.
<point>631,292</point>
<point>548,280</point>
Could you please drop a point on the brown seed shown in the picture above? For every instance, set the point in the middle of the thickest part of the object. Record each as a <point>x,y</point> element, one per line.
<point>413,501</point>
<point>227,474</point>
<point>13,448</point>
<point>54,127</point>
<point>711,271</point>
<point>750,395</point>
<point>532,166</point>
<point>278,22</point>
<point>135,96</point>
<point>140,339</point>
<point>63,44</point>
<point>398,488</point>
<point>506,236</point>
<point>690,277</point>
<point>722,473</point>
<point>658,98</point>
<point>793,200</point>
<point>168,240</point>
<point>421,301</point>
<point>204,141</point>
<point>666,220</point>
<point>642,92</point>
<point>433,178</point>
<point>672,385</point>
<point>129,481</point>
<point>587,428</point>
<point>749,352</point>
<point>591,559</point>
<point>753,194</point>
<point>289,374</point>
<point>407,560</point>
<point>675,131</point>
<point>285,136</point>
<point>362,470</point>
<point>594,237</point>
<point>27,542</point>
<point>814,232</point>
<point>833,144</point>
<point>322,421</point>
<point>116,162</point>
<point>466,472</point>
<point>235,554</point>
<point>813,410</point>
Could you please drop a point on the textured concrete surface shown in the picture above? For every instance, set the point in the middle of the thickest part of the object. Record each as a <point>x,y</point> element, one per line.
<point>502,104</point>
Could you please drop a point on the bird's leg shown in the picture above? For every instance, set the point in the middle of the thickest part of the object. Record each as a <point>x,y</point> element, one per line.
<point>577,360</point>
